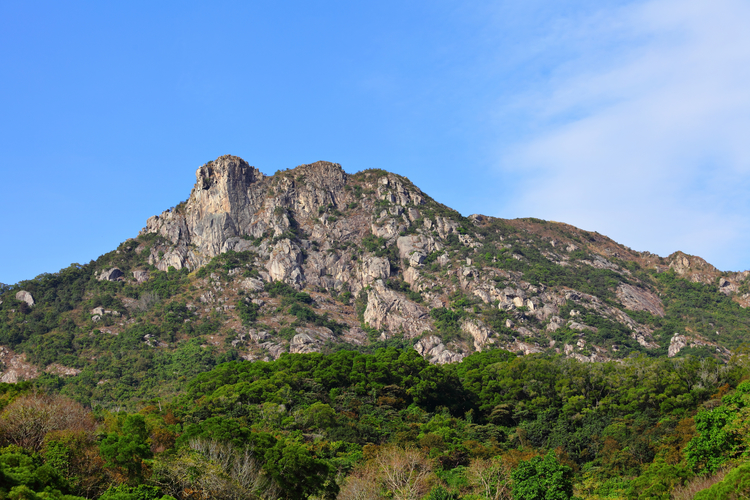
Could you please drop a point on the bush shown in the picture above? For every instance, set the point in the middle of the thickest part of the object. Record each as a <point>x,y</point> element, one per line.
<point>542,479</point>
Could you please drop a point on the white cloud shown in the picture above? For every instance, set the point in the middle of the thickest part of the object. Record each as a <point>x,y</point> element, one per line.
<point>648,141</point>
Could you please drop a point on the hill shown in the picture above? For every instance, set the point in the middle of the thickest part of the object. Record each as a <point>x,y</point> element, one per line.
<point>313,259</point>
<point>315,334</point>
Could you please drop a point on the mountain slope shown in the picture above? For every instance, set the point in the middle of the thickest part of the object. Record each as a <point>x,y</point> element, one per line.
<point>314,259</point>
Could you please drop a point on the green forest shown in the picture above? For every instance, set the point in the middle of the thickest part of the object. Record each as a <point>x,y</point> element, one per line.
<point>387,424</point>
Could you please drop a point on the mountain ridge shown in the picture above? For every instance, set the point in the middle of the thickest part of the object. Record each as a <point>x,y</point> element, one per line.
<point>315,259</point>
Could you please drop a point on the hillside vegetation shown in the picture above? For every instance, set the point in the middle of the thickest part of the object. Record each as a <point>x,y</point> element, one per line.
<point>313,332</point>
<point>390,425</point>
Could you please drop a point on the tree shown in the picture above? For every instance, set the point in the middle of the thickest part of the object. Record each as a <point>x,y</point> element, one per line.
<point>298,473</point>
<point>394,472</point>
<point>404,472</point>
<point>490,477</point>
<point>214,470</point>
<point>28,419</point>
<point>127,449</point>
<point>542,478</point>
<point>76,456</point>
<point>359,486</point>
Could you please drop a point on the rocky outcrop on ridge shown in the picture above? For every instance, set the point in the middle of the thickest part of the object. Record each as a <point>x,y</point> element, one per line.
<point>449,285</point>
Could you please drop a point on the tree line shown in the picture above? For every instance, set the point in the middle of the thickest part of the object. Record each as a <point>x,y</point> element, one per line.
<point>390,425</point>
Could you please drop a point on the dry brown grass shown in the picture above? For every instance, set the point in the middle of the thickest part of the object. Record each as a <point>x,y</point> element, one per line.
<point>698,483</point>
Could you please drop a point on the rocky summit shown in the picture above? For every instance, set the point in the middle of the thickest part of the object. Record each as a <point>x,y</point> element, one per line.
<point>313,259</point>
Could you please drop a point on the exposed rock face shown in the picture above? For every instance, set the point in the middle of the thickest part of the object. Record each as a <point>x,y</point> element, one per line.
<point>591,358</point>
<point>140,276</point>
<point>639,299</point>
<point>16,369</point>
<point>25,296</point>
<point>433,349</point>
<point>62,371</point>
<point>692,267</point>
<point>639,332</point>
<point>479,332</point>
<point>232,200</point>
<point>100,311</point>
<point>252,284</point>
<point>389,310</point>
<point>113,274</point>
<point>302,343</point>
<point>373,269</point>
<point>574,325</point>
<point>285,263</point>
<point>679,342</point>
<point>416,248</point>
<point>524,348</point>
<point>555,323</point>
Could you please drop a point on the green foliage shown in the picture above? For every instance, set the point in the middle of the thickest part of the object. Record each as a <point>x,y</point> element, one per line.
<point>128,448</point>
<point>403,287</point>
<point>658,481</point>
<point>360,305</point>
<point>538,269</point>
<point>25,476</point>
<point>378,246</point>
<point>248,311</point>
<point>227,261</point>
<point>298,472</point>
<point>392,342</point>
<point>54,294</point>
<point>140,492</point>
<point>281,289</point>
<point>722,432</point>
<point>702,308</point>
<point>305,315</point>
<point>309,418</point>
<point>440,493</point>
<point>345,297</point>
<point>447,321</point>
<point>165,284</point>
<point>374,245</point>
<point>432,256</point>
<point>542,478</point>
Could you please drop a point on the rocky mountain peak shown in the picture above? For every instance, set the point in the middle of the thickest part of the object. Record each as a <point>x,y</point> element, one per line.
<point>692,267</point>
<point>414,268</point>
<point>232,200</point>
<point>222,184</point>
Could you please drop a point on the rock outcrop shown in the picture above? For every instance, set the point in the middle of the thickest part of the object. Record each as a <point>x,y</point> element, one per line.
<point>15,368</point>
<point>639,299</point>
<point>479,332</point>
<point>25,296</point>
<point>387,309</point>
<point>113,274</point>
<point>432,348</point>
<point>232,200</point>
<point>140,276</point>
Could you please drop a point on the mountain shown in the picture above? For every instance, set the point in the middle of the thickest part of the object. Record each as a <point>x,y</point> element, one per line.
<point>313,259</point>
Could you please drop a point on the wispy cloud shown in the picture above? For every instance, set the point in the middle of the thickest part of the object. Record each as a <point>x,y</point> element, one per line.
<point>645,136</point>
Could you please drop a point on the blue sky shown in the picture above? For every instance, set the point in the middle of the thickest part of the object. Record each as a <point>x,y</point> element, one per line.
<point>626,118</point>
